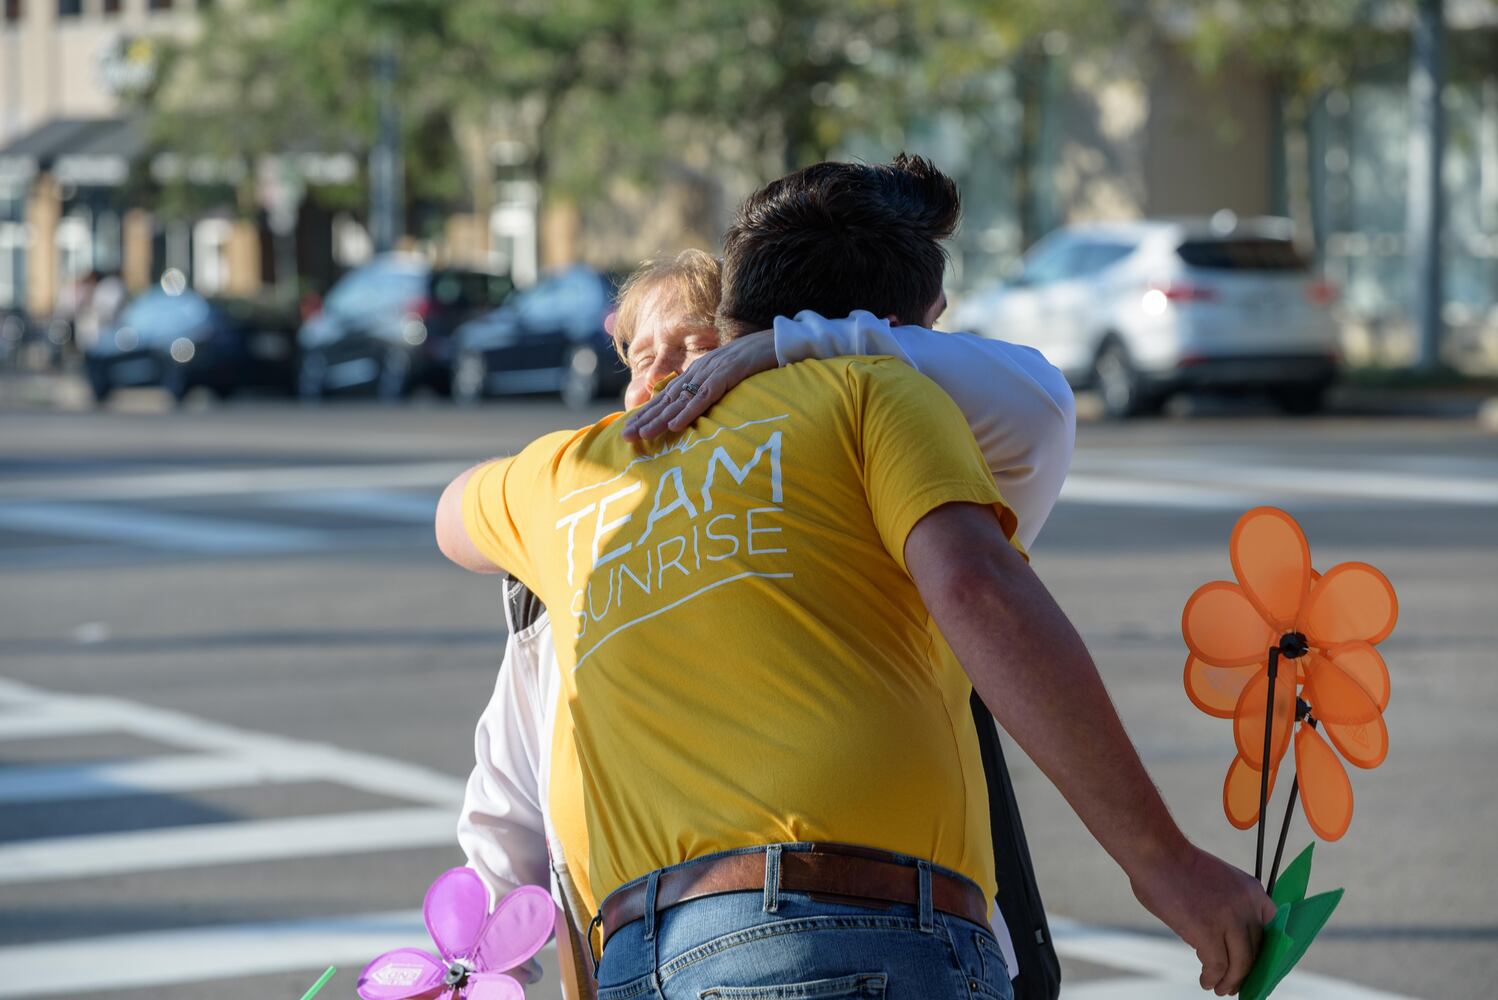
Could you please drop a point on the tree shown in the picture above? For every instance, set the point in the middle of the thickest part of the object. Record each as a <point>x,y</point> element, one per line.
<point>263,78</point>
<point>591,90</point>
<point>1306,47</point>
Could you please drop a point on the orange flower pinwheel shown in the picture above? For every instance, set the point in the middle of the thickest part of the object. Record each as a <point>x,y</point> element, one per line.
<point>1327,625</point>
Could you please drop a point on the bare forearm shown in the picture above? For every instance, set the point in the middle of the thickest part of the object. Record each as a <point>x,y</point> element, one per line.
<point>1033,671</point>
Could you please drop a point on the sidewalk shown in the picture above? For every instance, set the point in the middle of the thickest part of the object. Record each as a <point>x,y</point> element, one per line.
<point>1396,393</point>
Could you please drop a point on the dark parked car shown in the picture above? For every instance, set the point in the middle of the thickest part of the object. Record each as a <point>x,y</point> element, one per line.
<point>13,330</point>
<point>549,338</point>
<point>182,341</point>
<point>387,326</point>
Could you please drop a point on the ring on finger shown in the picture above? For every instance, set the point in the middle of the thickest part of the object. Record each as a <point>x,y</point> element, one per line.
<point>691,388</point>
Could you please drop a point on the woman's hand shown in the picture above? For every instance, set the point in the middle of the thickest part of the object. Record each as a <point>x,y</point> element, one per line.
<point>704,382</point>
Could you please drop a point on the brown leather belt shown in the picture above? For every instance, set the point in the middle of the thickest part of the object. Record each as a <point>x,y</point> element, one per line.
<point>837,872</point>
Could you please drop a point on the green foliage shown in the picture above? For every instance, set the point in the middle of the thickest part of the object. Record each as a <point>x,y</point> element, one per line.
<point>592,90</point>
<point>265,77</point>
<point>596,91</point>
<point>1305,45</point>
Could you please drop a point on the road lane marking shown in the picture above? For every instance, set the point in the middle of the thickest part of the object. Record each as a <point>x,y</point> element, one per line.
<point>1235,489</point>
<point>162,958</point>
<point>171,957</point>
<point>166,848</point>
<point>367,772</point>
<point>231,482</point>
<point>1091,489</point>
<point>1132,988</point>
<point>135,526</point>
<point>47,721</point>
<point>412,508</point>
<point>1368,484</point>
<point>1385,478</point>
<point>226,952</point>
<point>155,776</point>
<point>1173,962</point>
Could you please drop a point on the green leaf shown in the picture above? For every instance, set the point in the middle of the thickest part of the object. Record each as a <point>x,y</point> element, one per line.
<point>1272,951</point>
<point>1286,939</point>
<point>1293,881</point>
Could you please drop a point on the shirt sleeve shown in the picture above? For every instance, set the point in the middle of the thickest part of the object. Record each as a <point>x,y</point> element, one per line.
<point>1018,405</point>
<point>502,827</point>
<point>917,453</point>
<point>500,503</point>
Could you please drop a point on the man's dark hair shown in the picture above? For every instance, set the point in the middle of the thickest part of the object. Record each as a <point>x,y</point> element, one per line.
<point>835,237</point>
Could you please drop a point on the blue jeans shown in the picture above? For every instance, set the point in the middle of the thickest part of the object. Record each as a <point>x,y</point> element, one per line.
<point>775,944</point>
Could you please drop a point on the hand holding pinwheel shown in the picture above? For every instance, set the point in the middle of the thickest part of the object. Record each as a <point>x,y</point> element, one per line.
<point>1326,626</point>
<point>476,946</point>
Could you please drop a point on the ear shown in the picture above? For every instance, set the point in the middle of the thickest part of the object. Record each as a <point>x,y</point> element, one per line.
<point>934,312</point>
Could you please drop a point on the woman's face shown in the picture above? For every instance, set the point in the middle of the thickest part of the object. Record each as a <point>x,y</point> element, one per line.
<point>664,344</point>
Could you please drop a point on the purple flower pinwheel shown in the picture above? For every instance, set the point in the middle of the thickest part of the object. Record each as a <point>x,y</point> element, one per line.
<point>476,946</point>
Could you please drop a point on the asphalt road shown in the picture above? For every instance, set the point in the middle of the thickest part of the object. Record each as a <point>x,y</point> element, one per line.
<point>238,687</point>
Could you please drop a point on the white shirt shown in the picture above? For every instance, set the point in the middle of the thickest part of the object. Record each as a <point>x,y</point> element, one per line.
<point>1023,416</point>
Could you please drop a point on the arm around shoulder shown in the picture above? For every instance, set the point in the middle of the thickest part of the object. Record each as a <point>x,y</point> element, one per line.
<point>1032,670</point>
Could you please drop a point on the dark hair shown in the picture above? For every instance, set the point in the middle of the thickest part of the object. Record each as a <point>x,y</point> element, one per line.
<point>835,237</point>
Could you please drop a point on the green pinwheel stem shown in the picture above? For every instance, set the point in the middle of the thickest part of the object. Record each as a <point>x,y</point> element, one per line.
<point>321,982</point>
<point>1297,921</point>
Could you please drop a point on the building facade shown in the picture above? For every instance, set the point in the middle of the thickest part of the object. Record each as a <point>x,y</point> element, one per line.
<point>81,177</point>
<point>69,150</point>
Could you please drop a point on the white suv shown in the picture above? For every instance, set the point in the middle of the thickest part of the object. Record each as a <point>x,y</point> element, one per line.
<point>1142,310</point>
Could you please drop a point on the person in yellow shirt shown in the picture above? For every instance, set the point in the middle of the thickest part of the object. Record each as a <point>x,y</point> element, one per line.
<point>775,781</point>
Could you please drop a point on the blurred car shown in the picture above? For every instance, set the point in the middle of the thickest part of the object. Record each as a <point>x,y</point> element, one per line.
<point>32,344</point>
<point>387,326</point>
<point>1143,310</point>
<point>181,340</point>
<point>552,337</point>
<point>14,325</point>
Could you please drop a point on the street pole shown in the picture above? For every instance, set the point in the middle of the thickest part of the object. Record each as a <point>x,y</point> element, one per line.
<point>1426,211</point>
<point>386,171</point>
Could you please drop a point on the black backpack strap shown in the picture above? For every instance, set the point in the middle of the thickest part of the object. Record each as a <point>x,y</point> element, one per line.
<point>522,608</point>
<point>1019,897</point>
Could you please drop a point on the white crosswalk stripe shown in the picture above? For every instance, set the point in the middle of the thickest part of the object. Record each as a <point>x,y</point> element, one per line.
<point>1171,968</point>
<point>1209,484</point>
<point>165,958</point>
<point>241,512</point>
<point>278,756</point>
<point>234,482</point>
<point>384,504</point>
<point>151,775</point>
<point>222,756</point>
<point>152,529</point>
<point>365,503</point>
<point>97,854</point>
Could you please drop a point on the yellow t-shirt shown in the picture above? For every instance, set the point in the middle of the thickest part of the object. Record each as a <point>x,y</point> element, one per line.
<point>745,659</point>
